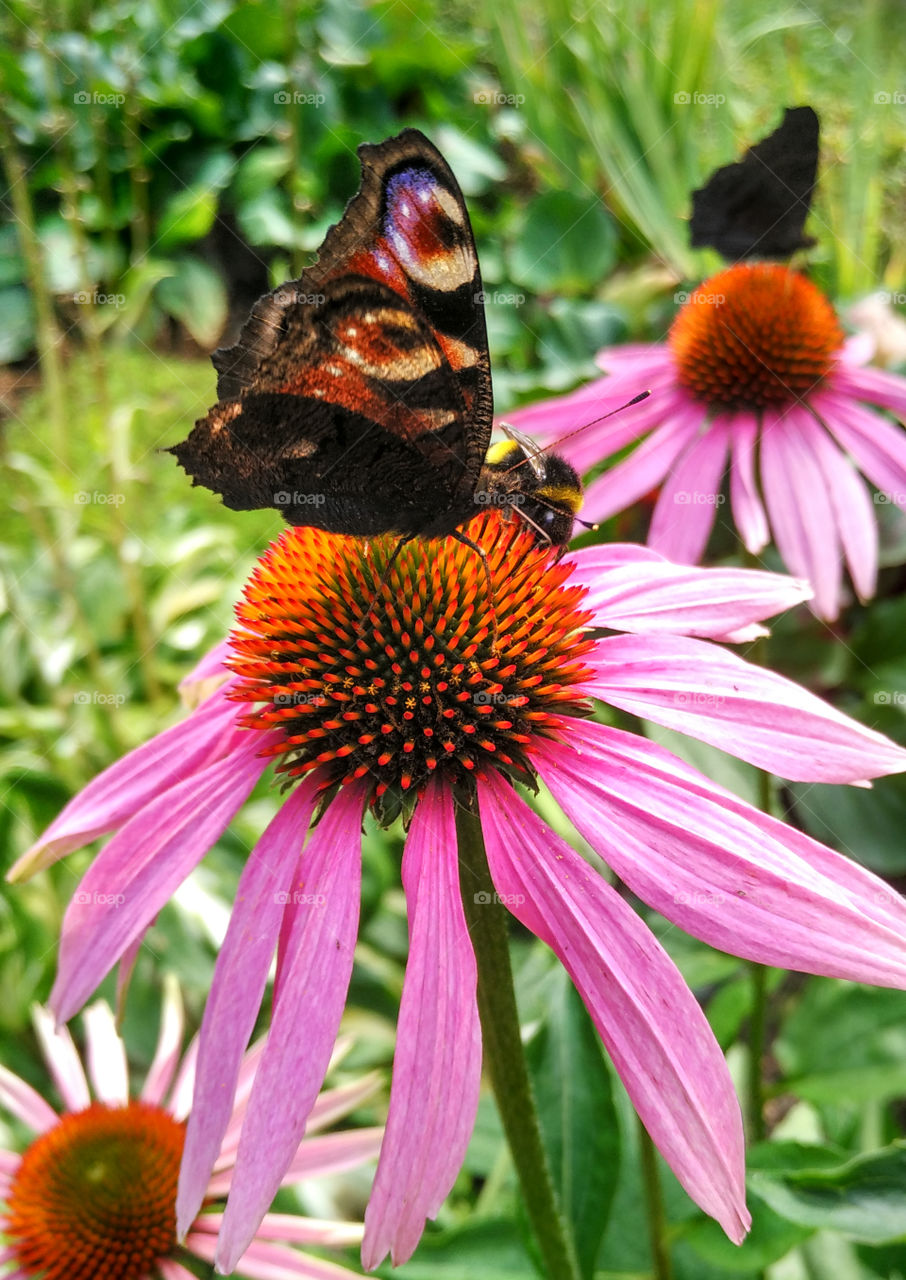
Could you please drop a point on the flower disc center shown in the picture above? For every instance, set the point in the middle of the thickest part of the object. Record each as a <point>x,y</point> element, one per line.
<point>753,335</point>
<point>94,1198</point>
<point>444,659</point>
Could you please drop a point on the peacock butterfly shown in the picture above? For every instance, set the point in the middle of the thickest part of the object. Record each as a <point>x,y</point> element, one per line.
<point>358,398</point>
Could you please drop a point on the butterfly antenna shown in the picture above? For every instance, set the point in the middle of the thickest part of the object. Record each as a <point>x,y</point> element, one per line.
<point>555,444</point>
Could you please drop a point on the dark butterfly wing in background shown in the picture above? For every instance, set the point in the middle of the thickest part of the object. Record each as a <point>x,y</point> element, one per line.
<point>365,383</point>
<point>757,207</point>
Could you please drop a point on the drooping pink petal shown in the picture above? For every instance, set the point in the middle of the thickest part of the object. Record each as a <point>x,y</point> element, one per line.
<point>318,966</point>
<point>63,1059</point>
<point>687,505</point>
<point>878,446</point>
<point>138,871</point>
<point>117,794</point>
<point>718,868</point>
<point>437,1065</point>
<point>25,1103</point>
<point>326,1153</point>
<point>876,385</point>
<point>294,1228</point>
<point>169,1044</point>
<point>853,510</point>
<point>207,674</point>
<point>180,1099</point>
<point>748,711</point>
<point>651,1024</point>
<point>748,511</point>
<point>646,466</point>
<point>263,1261</point>
<point>648,594</point>
<point>106,1055</point>
<point>240,977</point>
<point>800,511</point>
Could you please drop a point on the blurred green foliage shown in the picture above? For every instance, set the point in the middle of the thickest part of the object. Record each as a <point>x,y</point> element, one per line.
<point>166,163</point>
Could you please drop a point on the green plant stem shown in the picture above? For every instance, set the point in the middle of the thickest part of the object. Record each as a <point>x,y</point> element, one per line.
<point>654,1208</point>
<point>503,1052</point>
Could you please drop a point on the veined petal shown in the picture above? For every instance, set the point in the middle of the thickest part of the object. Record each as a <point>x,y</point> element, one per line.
<point>800,511</point>
<point>117,794</point>
<point>137,872</point>
<point>207,675</point>
<point>713,694</point>
<point>63,1059</point>
<point>290,1226</point>
<point>263,1261</point>
<point>855,516</point>
<point>106,1055</point>
<point>878,446</point>
<point>738,879</point>
<point>684,513</point>
<point>240,977</point>
<point>866,383</point>
<point>653,1028</point>
<point>437,1065</point>
<point>647,465</point>
<point>25,1103</point>
<point>318,966</point>
<point>644,359</point>
<point>748,511</point>
<point>653,595</point>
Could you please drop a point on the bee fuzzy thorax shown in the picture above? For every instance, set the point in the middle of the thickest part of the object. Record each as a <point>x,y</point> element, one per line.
<point>542,488</point>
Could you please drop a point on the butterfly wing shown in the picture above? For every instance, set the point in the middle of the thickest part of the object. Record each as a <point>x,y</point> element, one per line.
<point>367,380</point>
<point>758,206</point>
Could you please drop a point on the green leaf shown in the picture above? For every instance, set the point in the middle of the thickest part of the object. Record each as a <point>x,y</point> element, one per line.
<point>864,1198</point>
<point>187,216</point>
<point>195,295</point>
<point>578,1120</point>
<point>490,1250</point>
<point>867,825</point>
<point>567,244</point>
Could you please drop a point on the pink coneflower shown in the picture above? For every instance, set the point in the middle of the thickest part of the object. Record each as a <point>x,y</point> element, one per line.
<point>94,1193</point>
<point>755,371</point>
<point>450,675</point>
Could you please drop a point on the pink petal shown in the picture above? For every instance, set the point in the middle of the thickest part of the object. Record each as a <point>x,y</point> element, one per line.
<point>292,1227</point>
<point>654,1030</point>
<point>121,791</point>
<point>647,465</point>
<point>653,595</point>
<point>24,1103</point>
<point>180,1099</point>
<point>800,511</point>
<point>106,1055</point>
<point>137,872</point>
<point>644,359</point>
<point>240,977</point>
<point>687,505</point>
<point>304,1024</point>
<point>712,694</point>
<point>437,1065</point>
<point>878,446</point>
<point>63,1059</point>
<point>721,870</point>
<point>327,1153</point>
<point>263,1261</point>
<point>853,509</point>
<point>876,385</point>
<point>172,1270</point>
<point>207,675</point>
<point>169,1044</point>
<point>748,511</point>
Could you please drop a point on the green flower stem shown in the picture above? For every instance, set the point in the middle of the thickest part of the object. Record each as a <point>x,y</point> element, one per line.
<point>654,1208</point>
<point>503,1053</point>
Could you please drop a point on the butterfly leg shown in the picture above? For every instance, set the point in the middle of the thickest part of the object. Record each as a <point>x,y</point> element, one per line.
<point>479,551</point>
